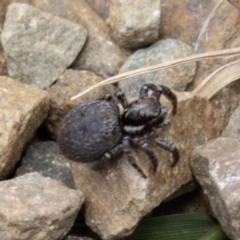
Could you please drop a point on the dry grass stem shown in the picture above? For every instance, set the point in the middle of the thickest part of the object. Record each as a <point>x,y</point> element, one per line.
<point>203,56</point>
<point>216,81</point>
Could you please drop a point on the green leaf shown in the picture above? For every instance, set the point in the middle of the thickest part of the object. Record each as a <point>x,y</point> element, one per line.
<point>190,226</point>
<point>187,226</point>
<point>215,233</point>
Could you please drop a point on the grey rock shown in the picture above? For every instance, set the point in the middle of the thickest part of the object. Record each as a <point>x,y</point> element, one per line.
<point>23,108</point>
<point>233,125</point>
<point>46,159</point>
<point>35,207</point>
<point>39,46</point>
<point>100,54</point>
<point>176,78</point>
<point>134,23</point>
<point>216,166</point>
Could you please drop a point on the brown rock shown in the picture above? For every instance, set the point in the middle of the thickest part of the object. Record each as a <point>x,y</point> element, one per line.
<point>123,196</point>
<point>23,109</point>
<point>134,24</point>
<point>35,207</point>
<point>100,54</point>
<point>216,167</point>
<point>3,7</point>
<point>117,197</point>
<point>101,7</point>
<point>183,20</point>
<point>68,85</point>
<point>233,127</point>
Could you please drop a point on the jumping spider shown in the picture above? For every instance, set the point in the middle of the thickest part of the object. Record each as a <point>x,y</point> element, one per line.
<point>97,131</point>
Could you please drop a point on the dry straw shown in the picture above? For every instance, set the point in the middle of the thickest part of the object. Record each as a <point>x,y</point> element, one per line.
<point>213,83</point>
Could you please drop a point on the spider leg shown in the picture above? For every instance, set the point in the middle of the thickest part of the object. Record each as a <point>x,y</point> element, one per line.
<point>147,149</point>
<point>122,99</point>
<point>169,95</point>
<point>144,91</point>
<point>169,147</point>
<point>106,96</point>
<point>161,121</point>
<point>163,124</point>
<point>157,91</point>
<point>134,141</point>
<point>130,157</point>
<point>107,156</point>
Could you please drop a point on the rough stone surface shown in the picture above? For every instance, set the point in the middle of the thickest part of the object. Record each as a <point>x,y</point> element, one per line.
<point>101,7</point>
<point>216,39</point>
<point>68,85</point>
<point>100,54</point>
<point>35,207</point>
<point>233,127</point>
<point>3,66</point>
<point>134,23</point>
<point>164,50</point>
<point>178,21</point>
<point>194,201</point>
<point>72,237</point>
<point>23,109</point>
<point>216,167</point>
<point>117,197</point>
<point>46,159</point>
<point>39,46</point>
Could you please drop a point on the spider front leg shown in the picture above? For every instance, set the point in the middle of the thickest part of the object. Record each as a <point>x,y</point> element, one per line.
<point>169,95</point>
<point>168,147</point>
<point>130,157</point>
<point>147,149</point>
<point>157,91</point>
<point>122,99</point>
<point>161,121</point>
<point>144,91</point>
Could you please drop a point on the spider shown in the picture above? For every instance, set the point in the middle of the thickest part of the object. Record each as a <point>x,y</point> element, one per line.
<point>97,131</point>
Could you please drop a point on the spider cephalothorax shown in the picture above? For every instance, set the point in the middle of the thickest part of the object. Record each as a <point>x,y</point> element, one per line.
<point>97,131</point>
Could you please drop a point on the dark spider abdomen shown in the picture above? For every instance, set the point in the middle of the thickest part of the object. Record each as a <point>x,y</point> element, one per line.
<point>90,130</point>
